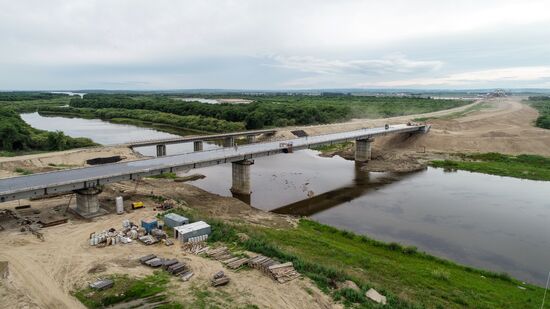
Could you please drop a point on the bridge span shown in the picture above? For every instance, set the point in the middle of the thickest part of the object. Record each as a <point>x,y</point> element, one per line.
<point>227,138</point>
<point>87,181</point>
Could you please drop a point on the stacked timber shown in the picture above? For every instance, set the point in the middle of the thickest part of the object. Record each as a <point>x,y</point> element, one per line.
<point>219,279</point>
<point>225,256</point>
<point>221,253</point>
<point>283,272</point>
<point>195,247</point>
<point>280,272</point>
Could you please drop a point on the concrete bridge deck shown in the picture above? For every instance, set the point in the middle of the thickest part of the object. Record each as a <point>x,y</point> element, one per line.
<point>44,184</point>
<point>178,140</point>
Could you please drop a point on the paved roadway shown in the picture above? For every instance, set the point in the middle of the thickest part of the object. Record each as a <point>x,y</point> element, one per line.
<point>37,185</point>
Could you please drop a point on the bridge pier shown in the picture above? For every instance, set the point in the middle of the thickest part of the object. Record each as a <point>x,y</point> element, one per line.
<point>87,203</point>
<point>363,149</point>
<point>251,139</point>
<point>197,146</point>
<point>161,150</point>
<point>241,177</point>
<point>229,141</point>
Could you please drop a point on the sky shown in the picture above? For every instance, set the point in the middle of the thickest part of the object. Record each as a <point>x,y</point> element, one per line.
<point>280,44</point>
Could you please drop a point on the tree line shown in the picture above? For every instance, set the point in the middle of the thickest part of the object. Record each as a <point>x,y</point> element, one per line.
<point>273,111</point>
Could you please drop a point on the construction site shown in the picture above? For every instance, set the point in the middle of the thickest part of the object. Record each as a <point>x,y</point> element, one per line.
<point>49,250</point>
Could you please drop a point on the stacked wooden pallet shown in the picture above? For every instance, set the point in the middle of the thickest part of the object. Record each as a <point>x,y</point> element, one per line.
<point>279,272</point>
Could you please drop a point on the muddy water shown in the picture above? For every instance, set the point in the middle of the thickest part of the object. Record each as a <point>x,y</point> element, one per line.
<point>107,133</point>
<point>490,222</point>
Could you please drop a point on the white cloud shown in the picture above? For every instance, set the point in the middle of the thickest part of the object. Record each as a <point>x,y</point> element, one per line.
<point>389,64</point>
<point>43,40</point>
<point>502,75</point>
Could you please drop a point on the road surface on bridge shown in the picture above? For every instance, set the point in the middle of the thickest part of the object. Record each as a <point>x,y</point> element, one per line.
<point>44,184</point>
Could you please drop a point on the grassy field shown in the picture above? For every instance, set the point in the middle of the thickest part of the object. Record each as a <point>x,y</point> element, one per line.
<point>410,279</point>
<point>155,291</point>
<point>542,104</point>
<point>523,166</point>
<point>127,289</point>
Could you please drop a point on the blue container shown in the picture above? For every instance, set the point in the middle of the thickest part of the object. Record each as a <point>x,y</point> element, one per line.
<point>149,224</point>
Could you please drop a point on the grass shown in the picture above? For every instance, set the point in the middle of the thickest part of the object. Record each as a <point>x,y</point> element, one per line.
<point>23,171</point>
<point>410,279</point>
<point>165,176</point>
<point>125,289</point>
<point>523,166</point>
<point>333,147</point>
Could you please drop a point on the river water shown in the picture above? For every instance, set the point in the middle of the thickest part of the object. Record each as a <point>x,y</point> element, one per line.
<point>490,222</point>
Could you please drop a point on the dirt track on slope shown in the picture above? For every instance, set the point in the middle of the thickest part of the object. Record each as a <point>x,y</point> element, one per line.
<point>505,126</point>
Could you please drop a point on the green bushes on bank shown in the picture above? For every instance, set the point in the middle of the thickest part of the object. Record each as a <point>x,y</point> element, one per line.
<point>16,136</point>
<point>542,104</point>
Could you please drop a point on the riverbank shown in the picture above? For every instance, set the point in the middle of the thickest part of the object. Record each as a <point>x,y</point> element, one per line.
<point>522,166</point>
<point>329,257</point>
<point>326,256</point>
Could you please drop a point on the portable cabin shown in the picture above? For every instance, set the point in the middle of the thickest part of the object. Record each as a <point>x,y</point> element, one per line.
<point>184,232</point>
<point>172,220</point>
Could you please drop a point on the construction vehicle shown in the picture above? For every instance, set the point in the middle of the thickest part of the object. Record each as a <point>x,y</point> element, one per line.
<point>136,205</point>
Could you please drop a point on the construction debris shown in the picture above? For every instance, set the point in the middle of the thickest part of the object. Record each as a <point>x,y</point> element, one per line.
<point>129,232</point>
<point>34,230</point>
<point>373,295</point>
<point>148,240</point>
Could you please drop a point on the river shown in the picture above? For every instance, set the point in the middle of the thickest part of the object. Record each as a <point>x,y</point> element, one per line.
<point>485,221</point>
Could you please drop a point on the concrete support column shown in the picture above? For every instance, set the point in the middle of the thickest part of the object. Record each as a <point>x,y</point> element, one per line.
<point>197,146</point>
<point>229,141</point>
<point>241,177</point>
<point>87,203</point>
<point>161,150</point>
<point>363,149</point>
<point>251,139</point>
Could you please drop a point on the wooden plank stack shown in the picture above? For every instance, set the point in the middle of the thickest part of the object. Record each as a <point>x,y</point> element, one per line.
<point>195,247</point>
<point>280,272</point>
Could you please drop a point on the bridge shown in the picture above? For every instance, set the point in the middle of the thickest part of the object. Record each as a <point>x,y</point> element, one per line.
<point>227,138</point>
<point>86,182</point>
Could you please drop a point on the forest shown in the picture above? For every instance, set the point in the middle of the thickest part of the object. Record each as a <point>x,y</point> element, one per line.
<point>274,110</point>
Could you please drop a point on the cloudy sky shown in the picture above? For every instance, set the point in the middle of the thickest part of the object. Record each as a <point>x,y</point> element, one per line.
<point>280,44</point>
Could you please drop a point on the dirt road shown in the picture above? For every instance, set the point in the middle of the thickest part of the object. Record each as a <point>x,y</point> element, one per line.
<point>503,125</point>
